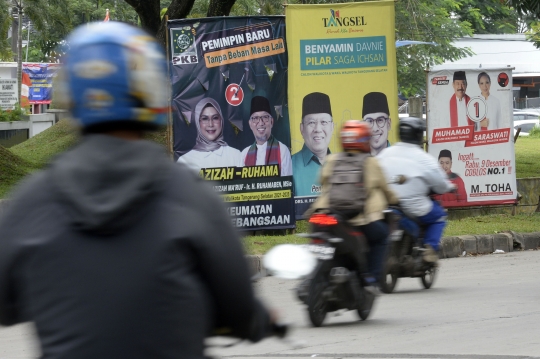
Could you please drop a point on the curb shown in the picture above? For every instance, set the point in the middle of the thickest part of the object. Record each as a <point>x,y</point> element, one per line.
<point>509,241</point>
<point>255,266</point>
<point>452,247</point>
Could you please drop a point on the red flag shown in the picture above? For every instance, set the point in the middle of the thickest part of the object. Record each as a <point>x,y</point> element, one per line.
<point>106,16</point>
<point>25,89</point>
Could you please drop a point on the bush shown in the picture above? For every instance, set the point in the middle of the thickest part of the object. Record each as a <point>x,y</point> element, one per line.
<point>11,115</point>
<point>535,132</point>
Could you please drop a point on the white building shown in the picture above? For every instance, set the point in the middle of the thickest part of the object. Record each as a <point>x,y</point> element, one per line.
<point>512,50</point>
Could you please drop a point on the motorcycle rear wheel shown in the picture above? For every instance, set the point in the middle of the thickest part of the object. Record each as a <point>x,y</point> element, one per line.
<point>429,277</point>
<point>364,310</point>
<point>389,278</point>
<point>317,304</point>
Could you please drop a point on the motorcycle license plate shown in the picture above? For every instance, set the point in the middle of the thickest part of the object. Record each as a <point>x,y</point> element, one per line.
<point>396,235</point>
<point>321,252</point>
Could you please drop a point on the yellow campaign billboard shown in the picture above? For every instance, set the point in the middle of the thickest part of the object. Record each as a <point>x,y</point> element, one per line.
<point>342,66</point>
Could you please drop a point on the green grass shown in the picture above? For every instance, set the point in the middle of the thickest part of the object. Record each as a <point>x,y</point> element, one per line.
<point>12,169</point>
<point>535,132</point>
<point>22,159</point>
<point>35,153</point>
<point>523,223</point>
<point>39,149</point>
<point>527,156</point>
<point>494,223</point>
<point>259,245</point>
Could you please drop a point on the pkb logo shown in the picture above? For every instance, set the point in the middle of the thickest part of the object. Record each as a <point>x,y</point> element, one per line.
<point>184,50</point>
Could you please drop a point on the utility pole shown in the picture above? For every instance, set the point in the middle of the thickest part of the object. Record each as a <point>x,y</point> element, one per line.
<point>14,34</point>
<point>19,54</point>
<point>27,41</point>
<point>19,6</point>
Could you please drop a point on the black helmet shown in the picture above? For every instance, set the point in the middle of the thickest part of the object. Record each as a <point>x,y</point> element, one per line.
<point>411,130</point>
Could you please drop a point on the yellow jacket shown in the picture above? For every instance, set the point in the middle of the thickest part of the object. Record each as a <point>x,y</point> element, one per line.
<point>379,194</point>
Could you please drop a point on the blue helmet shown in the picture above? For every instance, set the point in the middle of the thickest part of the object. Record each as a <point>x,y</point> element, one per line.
<point>113,72</point>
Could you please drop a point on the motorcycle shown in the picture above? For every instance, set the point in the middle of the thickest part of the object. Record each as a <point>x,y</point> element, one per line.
<point>334,284</point>
<point>405,253</point>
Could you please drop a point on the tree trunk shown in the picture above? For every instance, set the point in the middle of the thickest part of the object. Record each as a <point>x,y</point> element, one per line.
<point>148,11</point>
<point>178,9</point>
<point>14,37</point>
<point>220,7</point>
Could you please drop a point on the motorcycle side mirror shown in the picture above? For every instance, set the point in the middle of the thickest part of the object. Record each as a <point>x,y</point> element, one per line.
<point>289,261</point>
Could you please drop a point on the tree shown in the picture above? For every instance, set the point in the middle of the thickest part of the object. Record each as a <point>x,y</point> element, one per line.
<point>428,21</point>
<point>488,16</point>
<point>48,17</point>
<point>200,8</point>
<point>421,20</point>
<point>439,21</point>
<point>526,6</point>
<point>5,24</point>
<point>149,12</point>
<point>52,20</point>
<point>530,10</point>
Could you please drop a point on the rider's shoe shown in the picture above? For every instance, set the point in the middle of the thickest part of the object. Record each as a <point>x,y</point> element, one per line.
<point>373,290</point>
<point>430,255</point>
<point>371,286</point>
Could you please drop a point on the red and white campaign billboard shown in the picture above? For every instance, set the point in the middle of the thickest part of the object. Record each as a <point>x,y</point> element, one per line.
<point>470,133</point>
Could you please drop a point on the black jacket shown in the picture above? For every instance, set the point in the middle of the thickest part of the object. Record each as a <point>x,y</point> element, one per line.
<point>114,251</point>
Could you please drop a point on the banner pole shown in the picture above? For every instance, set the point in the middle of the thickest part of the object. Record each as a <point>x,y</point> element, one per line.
<point>169,131</point>
<point>427,112</point>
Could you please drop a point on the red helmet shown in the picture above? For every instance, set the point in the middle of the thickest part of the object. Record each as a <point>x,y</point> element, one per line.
<point>355,135</point>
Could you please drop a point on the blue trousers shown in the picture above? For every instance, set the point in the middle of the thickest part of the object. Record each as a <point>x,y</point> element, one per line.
<point>376,234</point>
<point>435,221</point>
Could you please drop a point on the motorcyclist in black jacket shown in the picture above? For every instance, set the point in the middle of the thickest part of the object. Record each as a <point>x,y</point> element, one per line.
<point>114,251</point>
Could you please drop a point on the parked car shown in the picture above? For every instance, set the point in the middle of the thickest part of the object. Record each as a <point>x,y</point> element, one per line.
<point>526,115</point>
<point>526,126</point>
<point>531,109</point>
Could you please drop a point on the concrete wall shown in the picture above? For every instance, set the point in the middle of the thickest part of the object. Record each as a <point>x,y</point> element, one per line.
<point>529,188</point>
<point>58,114</point>
<point>15,125</point>
<point>5,71</point>
<point>41,122</point>
<point>34,123</point>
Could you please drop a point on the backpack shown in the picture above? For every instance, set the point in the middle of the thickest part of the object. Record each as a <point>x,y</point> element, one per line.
<point>347,194</point>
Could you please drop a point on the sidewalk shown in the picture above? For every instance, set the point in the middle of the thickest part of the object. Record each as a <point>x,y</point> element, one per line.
<point>452,247</point>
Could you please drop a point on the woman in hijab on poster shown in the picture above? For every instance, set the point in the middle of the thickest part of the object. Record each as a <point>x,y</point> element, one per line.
<point>210,148</point>
<point>493,117</point>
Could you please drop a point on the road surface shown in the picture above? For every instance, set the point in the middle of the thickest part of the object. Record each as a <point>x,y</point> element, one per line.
<point>485,307</point>
<point>479,308</point>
